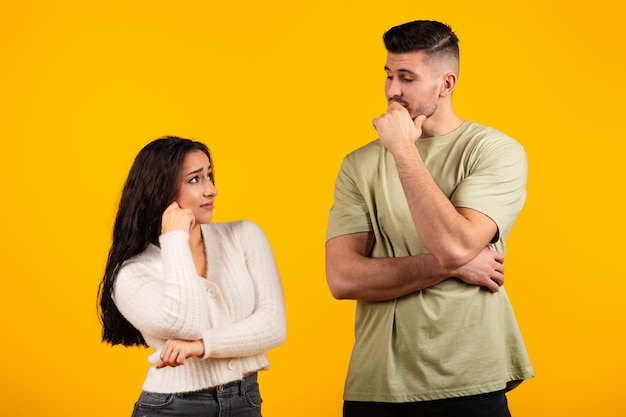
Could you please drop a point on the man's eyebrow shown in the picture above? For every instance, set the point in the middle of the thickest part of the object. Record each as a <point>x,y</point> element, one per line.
<point>402,70</point>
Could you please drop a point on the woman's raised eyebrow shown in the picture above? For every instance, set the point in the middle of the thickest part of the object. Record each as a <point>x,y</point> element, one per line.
<point>195,171</point>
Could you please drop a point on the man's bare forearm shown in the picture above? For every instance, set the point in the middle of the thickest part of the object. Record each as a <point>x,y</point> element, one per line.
<point>352,274</point>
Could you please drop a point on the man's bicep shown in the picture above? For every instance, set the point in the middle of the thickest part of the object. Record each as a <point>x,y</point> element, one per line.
<point>497,185</point>
<point>360,243</point>
<point>346,256</point>
<point>345,252</point>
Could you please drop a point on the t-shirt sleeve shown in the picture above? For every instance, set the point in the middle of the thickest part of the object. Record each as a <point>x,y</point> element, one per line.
<point>496,184</point>
<point>349,213</point>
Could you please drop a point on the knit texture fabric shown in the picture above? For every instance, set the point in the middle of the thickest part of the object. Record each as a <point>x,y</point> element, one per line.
<point>237,310</point>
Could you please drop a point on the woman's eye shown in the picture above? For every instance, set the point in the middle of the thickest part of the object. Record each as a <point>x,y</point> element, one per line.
<point>193,180</point>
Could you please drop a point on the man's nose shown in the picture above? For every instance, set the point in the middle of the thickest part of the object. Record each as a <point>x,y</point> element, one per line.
<point>393,89</point>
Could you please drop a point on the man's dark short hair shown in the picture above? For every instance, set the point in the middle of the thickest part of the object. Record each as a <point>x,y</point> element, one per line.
<point>435,38</point>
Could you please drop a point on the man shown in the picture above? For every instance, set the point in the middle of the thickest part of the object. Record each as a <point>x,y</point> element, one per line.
<point>417,235</point>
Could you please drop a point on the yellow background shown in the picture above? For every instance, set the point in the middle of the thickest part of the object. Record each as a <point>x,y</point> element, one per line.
<point>281,91</point>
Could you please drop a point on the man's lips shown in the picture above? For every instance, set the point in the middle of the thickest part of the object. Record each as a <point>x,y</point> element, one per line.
<point>399,101</point>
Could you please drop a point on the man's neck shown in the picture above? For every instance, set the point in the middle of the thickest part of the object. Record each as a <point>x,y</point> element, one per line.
<point>441,123</point>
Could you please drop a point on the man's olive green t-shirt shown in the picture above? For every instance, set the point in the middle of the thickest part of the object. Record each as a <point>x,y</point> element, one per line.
<point>452,339</point>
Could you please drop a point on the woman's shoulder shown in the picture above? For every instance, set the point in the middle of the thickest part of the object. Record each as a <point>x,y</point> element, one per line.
<point>149,261</point>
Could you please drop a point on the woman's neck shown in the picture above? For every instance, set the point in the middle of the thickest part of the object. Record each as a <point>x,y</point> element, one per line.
<point>195,237</point>
<point>196,244</point>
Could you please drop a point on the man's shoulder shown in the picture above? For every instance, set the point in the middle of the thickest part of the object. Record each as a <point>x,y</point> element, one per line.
<point>476,132</point>
<point>371,150</point>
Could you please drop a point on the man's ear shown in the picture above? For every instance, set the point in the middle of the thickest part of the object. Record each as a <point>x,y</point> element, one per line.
<point>449,82</point>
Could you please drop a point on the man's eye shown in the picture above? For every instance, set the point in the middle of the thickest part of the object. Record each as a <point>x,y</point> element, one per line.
<point>407,80</point>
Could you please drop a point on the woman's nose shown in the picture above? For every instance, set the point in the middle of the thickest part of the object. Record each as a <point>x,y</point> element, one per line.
<point>209,189</point>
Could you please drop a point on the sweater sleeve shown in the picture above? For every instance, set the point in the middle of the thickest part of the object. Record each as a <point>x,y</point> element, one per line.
<point>265,328</point>
<point>168,303</point>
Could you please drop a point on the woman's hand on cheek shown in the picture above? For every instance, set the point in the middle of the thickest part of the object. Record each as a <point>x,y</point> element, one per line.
<point>176,218</point>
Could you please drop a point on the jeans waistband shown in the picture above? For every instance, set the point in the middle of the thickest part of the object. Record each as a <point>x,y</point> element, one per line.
<point>239,385</point>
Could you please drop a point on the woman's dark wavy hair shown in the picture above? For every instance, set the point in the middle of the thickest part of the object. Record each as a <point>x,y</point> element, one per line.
<point>435,38</point>
<point>151,186</point>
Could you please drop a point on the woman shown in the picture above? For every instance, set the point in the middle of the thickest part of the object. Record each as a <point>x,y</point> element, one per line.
<point>205,296</point>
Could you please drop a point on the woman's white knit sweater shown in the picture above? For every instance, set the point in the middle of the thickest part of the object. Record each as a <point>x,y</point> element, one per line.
<point>237,310</point>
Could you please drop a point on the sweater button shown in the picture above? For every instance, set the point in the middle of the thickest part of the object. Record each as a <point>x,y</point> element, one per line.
<point>212,292</point>
<point>232,364</point>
